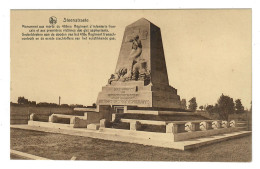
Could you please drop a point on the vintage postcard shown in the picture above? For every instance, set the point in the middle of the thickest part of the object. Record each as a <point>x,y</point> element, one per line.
<point>131,85</point>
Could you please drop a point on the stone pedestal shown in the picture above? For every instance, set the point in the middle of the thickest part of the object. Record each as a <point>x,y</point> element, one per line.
<point>72,120</point>
<point>172,128</point>
<point>224,124</point>
<point>79,123</point>
<point>204,126</point>
<point>135,93</point>
<point>135,125</point>
<point>216,124</point>
<point>32,116</point>
<point>52,119</point>
<point>93,126</point>
<point>233,123</point>
<point>190,126</point>
<point>103,123</point>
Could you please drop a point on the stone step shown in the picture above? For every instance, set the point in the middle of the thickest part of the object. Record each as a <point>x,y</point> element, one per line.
<point>142,112</point>
<point>148,126</point>
<point>93,126</point>
<point>242,128</point>
<point>139,137</point>
<point>242,122</point>
<point>139,134</point>
<point>176,117</point>
<point>173,137</point>
<point>152,122</point>
<point>120,125</point>
<point>66,116</point>
<point>175,113</point>
<point>50,125</point>
<point>241,125</point>
<point>154,112</point>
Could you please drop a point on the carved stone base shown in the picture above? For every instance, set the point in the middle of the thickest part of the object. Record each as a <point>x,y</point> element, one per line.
<point>135,93</point>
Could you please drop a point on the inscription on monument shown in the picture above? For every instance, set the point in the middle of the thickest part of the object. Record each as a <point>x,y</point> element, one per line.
<point>126,102</point>
<point>124,89</point>
<point>122,96</point>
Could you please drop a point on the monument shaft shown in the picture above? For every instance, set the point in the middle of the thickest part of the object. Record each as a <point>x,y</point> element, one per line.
<point>140,78</point>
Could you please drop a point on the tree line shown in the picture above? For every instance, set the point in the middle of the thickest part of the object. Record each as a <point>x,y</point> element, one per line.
<point>22,101</point>
<point>224,106</point>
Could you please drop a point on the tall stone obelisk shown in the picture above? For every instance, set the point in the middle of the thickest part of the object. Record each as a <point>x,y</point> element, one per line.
<point>140,78</point>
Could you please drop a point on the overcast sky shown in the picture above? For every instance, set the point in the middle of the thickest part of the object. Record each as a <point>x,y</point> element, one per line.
<point>207,52</point>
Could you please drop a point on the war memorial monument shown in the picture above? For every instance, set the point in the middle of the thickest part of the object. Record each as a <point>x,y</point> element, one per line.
<point>140,78</point>
<point>137,105</point>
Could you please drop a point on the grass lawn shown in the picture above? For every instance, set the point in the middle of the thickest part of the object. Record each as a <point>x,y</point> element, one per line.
<point>64,147</point>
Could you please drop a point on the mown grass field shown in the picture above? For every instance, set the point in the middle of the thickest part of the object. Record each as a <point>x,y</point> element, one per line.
<point>64,147</point>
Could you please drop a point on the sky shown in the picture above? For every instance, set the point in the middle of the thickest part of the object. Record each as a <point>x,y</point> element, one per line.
<point>207,52</point>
